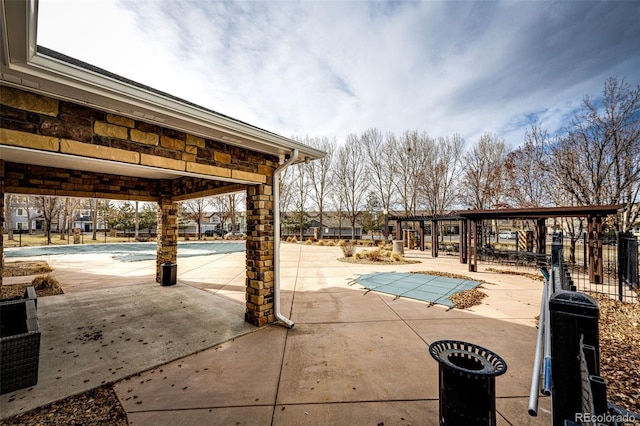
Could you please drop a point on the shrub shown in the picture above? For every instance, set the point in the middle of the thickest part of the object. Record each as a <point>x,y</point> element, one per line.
<point>321,243</point>
<point>348,249</point>
<point>331,243</point>
<point>374,255</point>
<point>308,242</point>
<point>294,239</point>
<point>341,243</point>
<point>45,282</point>
<point>396,257</point>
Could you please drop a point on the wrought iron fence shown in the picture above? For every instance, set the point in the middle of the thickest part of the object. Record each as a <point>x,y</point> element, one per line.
<point>615,274</point>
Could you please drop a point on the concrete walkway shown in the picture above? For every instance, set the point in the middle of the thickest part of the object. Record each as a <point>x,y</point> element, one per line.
<point>352,358</point>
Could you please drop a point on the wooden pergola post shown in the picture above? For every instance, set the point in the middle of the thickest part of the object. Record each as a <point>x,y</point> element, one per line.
<point>463,240</point>
<point>434,238</point>
<point>473,244</point>
<point>596,267</point>
<point>541,233</point>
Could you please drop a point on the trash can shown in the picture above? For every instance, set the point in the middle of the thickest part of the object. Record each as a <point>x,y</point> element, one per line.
<point>466,379</point>
<point>169,274</point>
<point>573,317</point>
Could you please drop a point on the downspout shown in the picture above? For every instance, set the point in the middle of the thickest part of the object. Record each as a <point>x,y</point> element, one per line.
<point>276,240</point>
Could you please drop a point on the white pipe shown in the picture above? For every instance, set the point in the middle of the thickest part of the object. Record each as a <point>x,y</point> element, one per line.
<point>276,240</point>
<point>535,375</point>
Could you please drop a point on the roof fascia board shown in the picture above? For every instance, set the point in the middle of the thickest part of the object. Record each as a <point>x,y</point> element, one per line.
<point>128,96</point>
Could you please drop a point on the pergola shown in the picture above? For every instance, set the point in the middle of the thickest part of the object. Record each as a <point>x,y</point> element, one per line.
<point>470,222</point>
<point>70,129</point>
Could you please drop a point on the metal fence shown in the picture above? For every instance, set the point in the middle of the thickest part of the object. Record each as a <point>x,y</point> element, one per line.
<point>618,275</point>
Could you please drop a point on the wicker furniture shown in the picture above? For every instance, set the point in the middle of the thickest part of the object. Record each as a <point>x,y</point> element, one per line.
<point>19,343</point>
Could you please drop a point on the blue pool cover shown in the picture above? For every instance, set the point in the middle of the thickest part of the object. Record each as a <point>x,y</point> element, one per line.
<point>428,288</point>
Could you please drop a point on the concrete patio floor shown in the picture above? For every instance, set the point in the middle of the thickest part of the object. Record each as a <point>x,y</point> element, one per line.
<point>353,357</point>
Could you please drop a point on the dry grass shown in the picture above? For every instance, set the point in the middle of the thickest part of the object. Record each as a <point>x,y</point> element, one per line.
<point>348,249</point>
<point>536,277</point>
<point>45,285</point>
<point>22,268</point>
<point>377,256</point>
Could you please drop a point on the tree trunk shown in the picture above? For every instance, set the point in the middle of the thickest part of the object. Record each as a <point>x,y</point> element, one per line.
<point>94,219</point>
<point>137,223</point>
<point>28,206</point>
<point>8,209</point>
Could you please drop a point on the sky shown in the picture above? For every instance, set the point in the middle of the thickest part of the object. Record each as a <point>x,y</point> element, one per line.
<point>331,68</point>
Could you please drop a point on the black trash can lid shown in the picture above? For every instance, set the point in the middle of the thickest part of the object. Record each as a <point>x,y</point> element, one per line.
<point>467,358</point>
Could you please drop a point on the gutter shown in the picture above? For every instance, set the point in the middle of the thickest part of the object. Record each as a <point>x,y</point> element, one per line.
<point>276,239</point>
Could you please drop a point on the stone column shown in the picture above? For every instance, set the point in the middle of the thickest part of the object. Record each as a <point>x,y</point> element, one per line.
<point>167,230</point>
<point>260,250</point>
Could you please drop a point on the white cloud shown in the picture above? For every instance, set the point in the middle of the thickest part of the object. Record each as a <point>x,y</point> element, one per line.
<point>333,68</point>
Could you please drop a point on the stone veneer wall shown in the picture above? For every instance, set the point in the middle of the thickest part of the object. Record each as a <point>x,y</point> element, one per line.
<point>260,250</point>
<point>37,122</point>
<point>40,123</point>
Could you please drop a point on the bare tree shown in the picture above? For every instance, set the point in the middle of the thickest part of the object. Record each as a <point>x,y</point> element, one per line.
<point>411,152</point>
<point>351,178</point>
<point>28,202</point>
<point>68,206</point>
<point>94,219</point>
<point>529,183</point>
<point>319,175</point>
<point>286,189</point>
<point>222,207</point>
<point>50,207</point>
<point>194,210</point>
<point>598,161</point>
<point>136,225</point>
<point>301,191</point>
<point>442,173</point>
<point>227,207</point>
<point>382,165</point>
<point>483,185</point>
<point>8,210</point>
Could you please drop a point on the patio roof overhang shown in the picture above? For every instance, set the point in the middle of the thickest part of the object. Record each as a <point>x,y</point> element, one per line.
<point>27,66</point>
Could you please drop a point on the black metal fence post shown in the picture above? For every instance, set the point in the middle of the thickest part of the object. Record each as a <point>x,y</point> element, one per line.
<point>574,322</point>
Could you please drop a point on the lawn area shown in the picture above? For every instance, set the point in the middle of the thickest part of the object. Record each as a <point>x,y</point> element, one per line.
<point>33,240</point>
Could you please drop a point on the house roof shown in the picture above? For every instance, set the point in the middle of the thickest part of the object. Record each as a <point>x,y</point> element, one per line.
<point>26,65</point>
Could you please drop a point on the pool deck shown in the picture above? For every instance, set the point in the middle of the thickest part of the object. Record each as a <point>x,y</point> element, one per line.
<point>184,355</point>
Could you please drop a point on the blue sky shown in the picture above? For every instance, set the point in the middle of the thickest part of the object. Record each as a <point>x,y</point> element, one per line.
<point>330,68</point>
